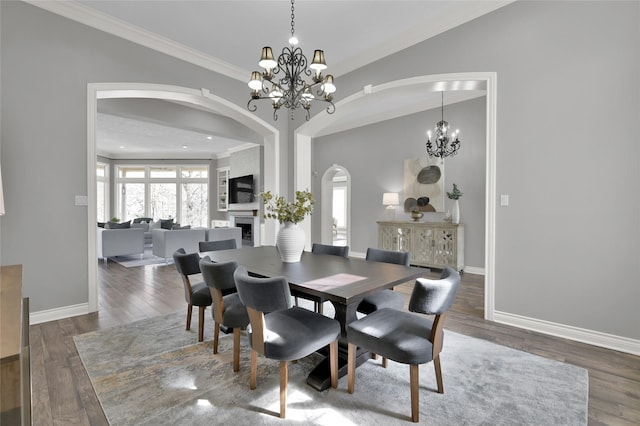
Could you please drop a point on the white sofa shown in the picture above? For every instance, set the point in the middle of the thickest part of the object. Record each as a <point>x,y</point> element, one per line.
<point>120,242</point>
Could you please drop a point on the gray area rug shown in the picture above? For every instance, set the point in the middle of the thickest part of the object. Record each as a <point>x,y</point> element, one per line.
<point>153,372</point>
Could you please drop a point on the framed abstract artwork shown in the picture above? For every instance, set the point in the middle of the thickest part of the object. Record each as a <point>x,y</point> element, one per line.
<point>424,184</point>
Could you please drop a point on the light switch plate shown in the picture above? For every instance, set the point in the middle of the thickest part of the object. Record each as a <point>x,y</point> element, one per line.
<point>82,200</point>
<point>504,200</point>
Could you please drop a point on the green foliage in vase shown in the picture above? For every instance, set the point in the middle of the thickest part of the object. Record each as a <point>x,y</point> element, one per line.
<point>455,193</point>
<point>277,207</point>
<point>114,219</point>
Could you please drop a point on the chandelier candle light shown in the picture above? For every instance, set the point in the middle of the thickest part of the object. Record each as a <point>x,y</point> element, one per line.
<point>291,90</point>
<point>445,147</point>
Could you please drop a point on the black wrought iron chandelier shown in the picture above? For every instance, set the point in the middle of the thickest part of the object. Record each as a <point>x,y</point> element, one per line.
<point>444,146</point>
<point>282,81</point>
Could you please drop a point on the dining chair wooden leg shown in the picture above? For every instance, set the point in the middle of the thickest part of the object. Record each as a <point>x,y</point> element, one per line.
<point>384,362</point>
<point>201,323</point>
<point>436,365</point>
<point>351,367</point>
<point>284,379</point>
<point>415,389</point>
<point>333,363</point>
<point>236,349</point>
<point>254,369</point>
<point>216,336</point>
<point>189,309</point>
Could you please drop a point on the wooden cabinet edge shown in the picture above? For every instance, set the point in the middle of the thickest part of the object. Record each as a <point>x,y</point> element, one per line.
<point>15,368</point>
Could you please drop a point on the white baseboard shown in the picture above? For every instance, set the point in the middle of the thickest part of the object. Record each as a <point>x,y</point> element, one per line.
<point>591,337</point>
<point>474,270</point>
<point>58,313</point>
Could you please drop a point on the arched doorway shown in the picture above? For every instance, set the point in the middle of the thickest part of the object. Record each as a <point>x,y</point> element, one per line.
<point>335,216</point>
<point>201,98</point>
<point>351,106</point>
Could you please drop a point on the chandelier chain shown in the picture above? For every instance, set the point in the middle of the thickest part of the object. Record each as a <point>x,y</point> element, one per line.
<point>292,18</point>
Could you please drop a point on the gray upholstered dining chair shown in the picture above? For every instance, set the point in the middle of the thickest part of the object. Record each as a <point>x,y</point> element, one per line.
<point>329,249</point>
<point>227,310</point>
<point>197,294</point>
<point>281,331</point>
<point>384,298</point>
<point>407,338</point>
<point>318,248</point>
<point>217,245</point>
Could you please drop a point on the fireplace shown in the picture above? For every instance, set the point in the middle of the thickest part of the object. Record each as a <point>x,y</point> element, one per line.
<point>249,223</point>
<point>246,224</point>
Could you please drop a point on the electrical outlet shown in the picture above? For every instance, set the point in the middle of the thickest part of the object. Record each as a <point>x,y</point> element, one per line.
<point>504,200</point>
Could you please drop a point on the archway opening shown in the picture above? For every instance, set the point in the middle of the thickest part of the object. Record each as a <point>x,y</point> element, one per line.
<point>336,206</point>
<point>203,99</point>
<point>351,106</point>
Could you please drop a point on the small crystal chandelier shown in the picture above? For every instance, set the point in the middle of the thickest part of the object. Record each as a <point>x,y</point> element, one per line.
<point>291,91</point>
<point>445,147</point>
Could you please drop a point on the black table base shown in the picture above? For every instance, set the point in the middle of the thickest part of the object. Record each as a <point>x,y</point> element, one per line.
<point>320,376</point>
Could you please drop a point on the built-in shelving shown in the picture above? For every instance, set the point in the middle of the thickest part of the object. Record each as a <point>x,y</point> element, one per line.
<point>223,189</point>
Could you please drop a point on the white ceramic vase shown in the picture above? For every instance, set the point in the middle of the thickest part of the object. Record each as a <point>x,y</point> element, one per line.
<point>455,216</point>
<point>290,242</point>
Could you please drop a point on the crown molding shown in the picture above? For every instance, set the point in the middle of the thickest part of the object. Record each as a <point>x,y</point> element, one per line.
<point>92,18</point>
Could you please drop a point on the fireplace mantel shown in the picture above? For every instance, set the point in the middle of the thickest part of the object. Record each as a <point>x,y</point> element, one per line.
<point>240,212</point>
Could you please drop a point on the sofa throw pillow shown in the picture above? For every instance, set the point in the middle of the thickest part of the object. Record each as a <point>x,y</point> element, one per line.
<point>166,223</point>
<point>177,226</point>
<point>101,224</point>
<point>114,225</point>
<point>142,220</point>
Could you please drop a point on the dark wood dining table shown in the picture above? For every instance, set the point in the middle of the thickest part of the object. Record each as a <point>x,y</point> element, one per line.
<point>342,281</point>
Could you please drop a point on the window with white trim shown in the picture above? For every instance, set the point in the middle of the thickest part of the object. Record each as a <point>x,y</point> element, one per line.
<point>102,192</point>
<point>179,192</point>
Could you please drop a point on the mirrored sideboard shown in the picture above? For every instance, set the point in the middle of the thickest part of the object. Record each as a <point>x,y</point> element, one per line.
<point>431,244</point>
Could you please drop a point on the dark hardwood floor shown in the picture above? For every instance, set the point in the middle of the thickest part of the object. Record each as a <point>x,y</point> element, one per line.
<point>63,395</point>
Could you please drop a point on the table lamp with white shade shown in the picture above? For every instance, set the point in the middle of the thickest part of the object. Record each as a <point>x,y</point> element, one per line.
<point>391,200</point>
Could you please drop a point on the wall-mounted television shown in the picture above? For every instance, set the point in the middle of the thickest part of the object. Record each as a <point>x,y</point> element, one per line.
<point>241,189</point>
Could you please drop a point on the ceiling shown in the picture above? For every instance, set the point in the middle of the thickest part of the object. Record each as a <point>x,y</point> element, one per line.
<point>227,36</point>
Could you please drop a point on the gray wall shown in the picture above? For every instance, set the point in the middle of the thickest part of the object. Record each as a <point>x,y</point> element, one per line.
<point>568,114</point>
<point>47,62</point>
<point>374,156</point>
<point>567,248</point>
